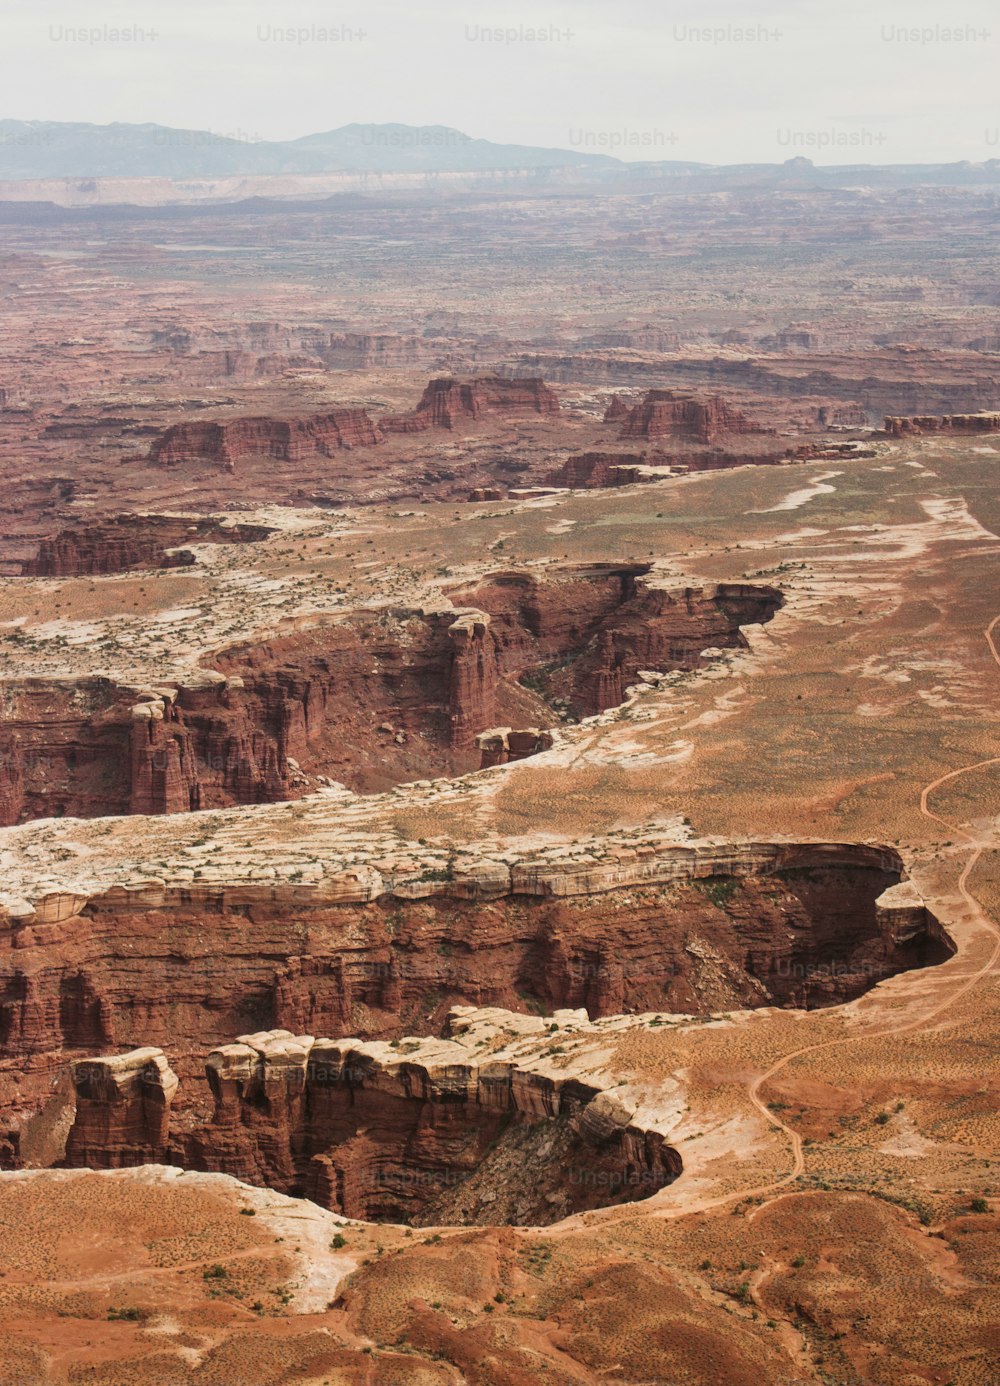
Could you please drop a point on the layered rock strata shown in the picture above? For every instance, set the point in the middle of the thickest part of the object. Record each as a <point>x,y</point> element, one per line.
<point>377,952</point>
<point>593,470</point>
<point>390,1132</point>
<point>901,427</point>
<point>122,1110</point>
<point>677,415</point>
<point>284,440</point>
<point>447,402</point>
<point>593,630</point>
<point>884,380</point>
<point>502,745</point>
<point>371,700</point>
<point>132,541</point>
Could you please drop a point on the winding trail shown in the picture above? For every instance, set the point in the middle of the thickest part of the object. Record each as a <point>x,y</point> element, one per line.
<point>795,1140</point>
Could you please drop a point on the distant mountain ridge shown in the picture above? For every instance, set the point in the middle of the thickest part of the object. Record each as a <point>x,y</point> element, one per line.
<point>34,149</point>
<point>43,151</point>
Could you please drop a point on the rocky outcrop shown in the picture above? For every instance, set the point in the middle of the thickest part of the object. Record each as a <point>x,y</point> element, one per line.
<point>984,422</point>
<point>284,440</point>
<point>370,350</point>
<point>370,701</point>
<point>501,745</point>
<point>322,699</point>
<point>447,401</point>
<point>207,366</point>
<point>475,677</point>
<point>891,380</point>
<point>88,748</point>
<point>581,638</point>
<point>677,415</point>
<point>382,952</point>
<point>122,1110</point>
<point>258,343</point>
<point>202,747</point>
<point>618,408</point>
<point>132,541</point>
<point>646,338</point>
<point>593,470</point>
<point>63,748</point>
<point>386,1132</point>
<point>842,416</point>
<point>791,339</point>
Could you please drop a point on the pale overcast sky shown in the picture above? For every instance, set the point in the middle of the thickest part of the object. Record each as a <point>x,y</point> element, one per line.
<point>722,82</point>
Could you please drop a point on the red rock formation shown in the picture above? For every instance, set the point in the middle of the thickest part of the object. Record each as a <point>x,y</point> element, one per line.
<point>366,350</point>
<point>190,967</point>
<point>674,414</point>
<point>204,748</point>
<point>983,422</point>
<point>591,470</point>
<point>405,423</point>
<point>661,630</point>
<point>377,1136</point>
<point>447,401</point>
<point>132,541</point>
<point>245,365</point>
<point>286,440</point>
<point>885,379</point>
<point>475,677</point>
<point>321,698</point>
<point>842,416</point>
<point>86,748</point>
<point>591,631</point>
<point>792,339</point>
<point>267,348</point>
<point>502,745</point>
<point>12,788</point>
<point>64,748</point>
<point>646,338</point>
<point>618,408</point>
<point>122,1110</point>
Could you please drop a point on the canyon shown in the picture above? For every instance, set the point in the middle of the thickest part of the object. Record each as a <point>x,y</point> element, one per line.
<point>498,872</point>
<point>371,700</point>
<point>444,403</point>
<point>675,929</point>
<point>385,1133</point>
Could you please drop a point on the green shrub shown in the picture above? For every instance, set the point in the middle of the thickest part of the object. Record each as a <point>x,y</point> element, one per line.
<point>719,889</point>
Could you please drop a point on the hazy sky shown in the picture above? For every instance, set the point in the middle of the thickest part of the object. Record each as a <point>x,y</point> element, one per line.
<point>838,82</point>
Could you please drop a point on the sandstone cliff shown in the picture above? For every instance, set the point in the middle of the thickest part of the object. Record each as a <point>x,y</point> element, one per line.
<point>677,415</point>
<point>447,401</point>
<point>983,422</point>
<point>691,929</point>
<point>132,541</point>
<point>371,700</point>
<point>387,1132</point>
<point>285,440</point>
<point>122,1110</point>
<point>592,470</point>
